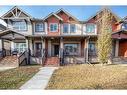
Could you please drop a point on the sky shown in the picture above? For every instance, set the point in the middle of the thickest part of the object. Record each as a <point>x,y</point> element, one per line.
<point>80,12</point>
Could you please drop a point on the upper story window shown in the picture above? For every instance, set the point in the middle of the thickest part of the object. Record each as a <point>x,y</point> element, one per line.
<point>90,28</point>
<point>39,27</point>
<point>20,25</point>
<point>53,27</point>
<point>65,28</point>
<point>72,28</point>
<point>124,26</point>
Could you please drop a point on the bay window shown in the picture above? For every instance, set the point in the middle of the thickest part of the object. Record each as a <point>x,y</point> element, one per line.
<point>53,27</point>
<point>39,27</point>
<point>20,25</point>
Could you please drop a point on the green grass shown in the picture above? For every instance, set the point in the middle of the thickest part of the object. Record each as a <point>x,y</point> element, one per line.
<point>14,78</point>
<point>89,77</point>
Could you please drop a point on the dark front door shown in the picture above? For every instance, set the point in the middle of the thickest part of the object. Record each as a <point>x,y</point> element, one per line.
<point>56,50</point>
<point>38,49</point>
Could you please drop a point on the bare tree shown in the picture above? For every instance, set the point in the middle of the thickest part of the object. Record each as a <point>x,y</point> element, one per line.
<point>104,42</point>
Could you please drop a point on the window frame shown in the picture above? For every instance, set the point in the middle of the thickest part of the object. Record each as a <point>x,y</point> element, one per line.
<point>18,47</point>
<point>38,26</point>
<point>72,52</point>
<point>64,27</point>
<point>53,27</point>
<point>71,28</point>
<point>88,24</point>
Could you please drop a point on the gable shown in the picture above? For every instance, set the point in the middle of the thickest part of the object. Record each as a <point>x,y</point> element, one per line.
<point>66,16</point>
<point>15,12</point>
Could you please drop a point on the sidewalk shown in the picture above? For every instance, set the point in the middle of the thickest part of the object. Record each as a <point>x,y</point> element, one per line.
<point>40,80</point>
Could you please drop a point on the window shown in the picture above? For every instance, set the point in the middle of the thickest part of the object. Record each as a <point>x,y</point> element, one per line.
<point>71,49</point>
<point>20,25</point>
<point>90,28</point>
<point>92,49</point>
<point>39,27</point>
<point>124,26</point>
<point>65,28</point>
<point>20,47</point>
<point>53,27</point>
<point>72,28</point>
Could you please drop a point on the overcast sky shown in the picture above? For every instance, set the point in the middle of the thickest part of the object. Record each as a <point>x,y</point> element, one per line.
<point>80,12</point>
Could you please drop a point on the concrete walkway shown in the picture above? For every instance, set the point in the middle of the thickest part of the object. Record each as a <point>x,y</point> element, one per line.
<point>40,80</point>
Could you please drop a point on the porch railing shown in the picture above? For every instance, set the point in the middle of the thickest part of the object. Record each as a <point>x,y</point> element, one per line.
<point>4,53</point>
<point>22,58</point>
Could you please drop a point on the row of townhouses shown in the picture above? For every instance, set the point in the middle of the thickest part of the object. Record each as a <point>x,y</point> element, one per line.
<point>58,35</point>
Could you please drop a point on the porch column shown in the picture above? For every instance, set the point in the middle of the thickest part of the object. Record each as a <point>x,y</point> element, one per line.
<point>49,47</point>
<point>1,44</point>
<point>28,51</point>
<point>12,46</point>
<point>117,48</point>
<point>43,45</point>
<point>86,46</point>
<point>30,45</point>
<point>61,47</point>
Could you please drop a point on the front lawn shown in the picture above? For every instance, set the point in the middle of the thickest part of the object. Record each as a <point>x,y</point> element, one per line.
<point>14,78</point>
<point>89,77</point>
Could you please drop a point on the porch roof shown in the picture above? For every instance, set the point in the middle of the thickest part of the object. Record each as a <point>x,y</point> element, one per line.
<point>121,34</point>
<point>10,34</point>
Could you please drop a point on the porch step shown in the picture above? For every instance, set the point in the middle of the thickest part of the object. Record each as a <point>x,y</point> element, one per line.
<point>52,61</point>
<point>9,61</point>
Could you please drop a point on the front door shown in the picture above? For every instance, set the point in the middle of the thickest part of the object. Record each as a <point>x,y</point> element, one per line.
<point>38,47</point>
<point>56,50</point>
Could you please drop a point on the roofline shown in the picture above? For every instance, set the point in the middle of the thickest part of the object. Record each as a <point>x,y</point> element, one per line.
<point>66,13</point>
<point>51,15</point>
<point>13,9</point>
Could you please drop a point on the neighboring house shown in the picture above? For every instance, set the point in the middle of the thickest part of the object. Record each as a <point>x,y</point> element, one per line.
<point>59,34</point>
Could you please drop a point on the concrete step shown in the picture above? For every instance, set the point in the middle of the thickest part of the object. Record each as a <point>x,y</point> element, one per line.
<point>52,61</point>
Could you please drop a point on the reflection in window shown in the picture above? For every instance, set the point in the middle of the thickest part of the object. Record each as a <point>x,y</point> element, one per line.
<point>39,27</point>
<point>71,49</point>
<point>53,27</point>
<point>72,28</point>
<point>65,28</point>
<point>20,47</point>
<point>90,28</point>
<point>20,25</point>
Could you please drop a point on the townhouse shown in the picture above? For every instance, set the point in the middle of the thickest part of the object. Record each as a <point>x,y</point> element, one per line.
<point>59,37</point>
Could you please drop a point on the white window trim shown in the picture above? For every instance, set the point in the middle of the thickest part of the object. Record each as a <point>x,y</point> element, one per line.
<point>51,24</point>
<point>85,29</point>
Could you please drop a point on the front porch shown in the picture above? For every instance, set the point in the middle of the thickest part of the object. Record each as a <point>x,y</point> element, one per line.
<point>60,50</point>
